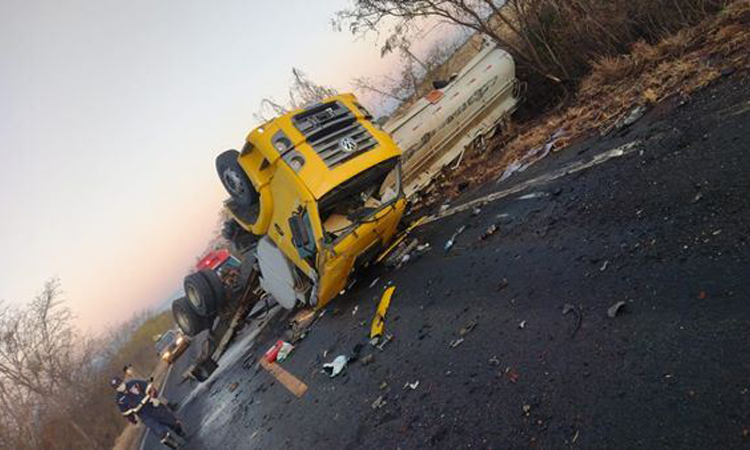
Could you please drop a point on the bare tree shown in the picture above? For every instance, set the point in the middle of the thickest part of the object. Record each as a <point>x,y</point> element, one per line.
<point>302,92</point>
<point>482,16</point>
<point>42,358</point>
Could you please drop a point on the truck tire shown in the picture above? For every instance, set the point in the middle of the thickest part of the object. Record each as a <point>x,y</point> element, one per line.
<point>200,295</point>
<point>203,370</point>
<point>217,286</point>
<point>187,319</point>
<point>234,178</point>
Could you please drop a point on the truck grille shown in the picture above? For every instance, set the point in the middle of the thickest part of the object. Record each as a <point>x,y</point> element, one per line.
<point>334,133</point>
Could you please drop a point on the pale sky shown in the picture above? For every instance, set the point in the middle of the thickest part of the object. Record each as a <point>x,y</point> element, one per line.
<point>111,115</point>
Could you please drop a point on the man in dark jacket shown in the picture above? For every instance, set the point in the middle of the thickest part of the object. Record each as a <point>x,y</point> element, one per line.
<point>134,400</point>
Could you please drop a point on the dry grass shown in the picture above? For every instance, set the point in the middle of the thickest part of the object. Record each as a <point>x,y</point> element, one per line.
<point>680,65</point>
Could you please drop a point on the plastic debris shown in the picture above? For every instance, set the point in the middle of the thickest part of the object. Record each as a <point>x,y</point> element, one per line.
<point>526,409</point>
<point>533,195</point>
<point>604,266</point>
<point>284,351</point>
<point>378,322</point>
<point>615,309</point>
<point>452,241</point>
<point>456,342</point>
<point>374,282</point>
<point>522,325</point>
<point>494,361</point>
<point>411,386</point>
<point>535,154</point>
<point>383,385</point>
<point>336,366</point>
<point>513,376</point>
<point>355,309</point>
<point>378,403</point>
<point>272,353</point>
<point>476,211</point>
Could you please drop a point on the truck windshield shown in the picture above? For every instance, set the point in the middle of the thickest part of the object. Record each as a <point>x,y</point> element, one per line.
<point>356,200</point>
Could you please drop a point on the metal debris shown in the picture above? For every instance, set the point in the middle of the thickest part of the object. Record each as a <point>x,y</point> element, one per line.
<point>615,309</point>
<point>378,322</point>
<point>379,403</point>
<point>452,240</point>
<point>411,386</point>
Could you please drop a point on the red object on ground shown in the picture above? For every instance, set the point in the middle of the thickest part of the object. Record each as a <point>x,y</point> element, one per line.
<point>213,259</point>
<point>273,352</point>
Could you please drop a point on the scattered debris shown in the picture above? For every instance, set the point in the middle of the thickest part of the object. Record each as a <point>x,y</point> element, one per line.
<point>374,282</point>
<point>388,338</point>
<point>368,359</point>
<point>503,284</point>
<point>492,229</point>
<point>526,409</point>
<point>378,403</point>
<point>697,197</point>
<point>378,322</point>
<point>233,386</point>
<point>522,325</point>
<point>284,351</point>
<point>477,211</point>
<point>354,310</point>
<point>575,437</point>
<point>615,309</point>
<point>411,386</point>
<point>468,328</point>
<point>289,381</point>
<point>702,295</point>
<point>513,376</point>
<point>494,361</point>
<point>604,266</point>
<point>629,119</point>
<point>533,195</point>
<point>272,353</point>
<point>452,240</point>
<point>536,154</point>
<point>336,366</point>
<point>383,385</point>
<point>568,308</point>
<point>456,342</point>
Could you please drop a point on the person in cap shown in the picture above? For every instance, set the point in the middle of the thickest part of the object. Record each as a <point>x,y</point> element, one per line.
<point>137,401</point>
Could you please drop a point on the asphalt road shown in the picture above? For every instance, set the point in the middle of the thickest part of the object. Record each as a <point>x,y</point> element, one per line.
<point>510,337</point>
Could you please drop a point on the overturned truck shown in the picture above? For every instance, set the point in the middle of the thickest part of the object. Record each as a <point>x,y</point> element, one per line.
<point>313,195</point>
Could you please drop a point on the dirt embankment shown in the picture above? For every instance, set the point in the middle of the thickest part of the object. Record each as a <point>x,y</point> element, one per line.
<point>677,66</point>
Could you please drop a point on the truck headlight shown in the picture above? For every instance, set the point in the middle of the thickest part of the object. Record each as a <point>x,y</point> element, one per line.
<point>165,356</point>
<point>180,340</point>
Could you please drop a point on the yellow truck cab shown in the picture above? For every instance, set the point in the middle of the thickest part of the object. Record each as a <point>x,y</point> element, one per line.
<point>320,190</point>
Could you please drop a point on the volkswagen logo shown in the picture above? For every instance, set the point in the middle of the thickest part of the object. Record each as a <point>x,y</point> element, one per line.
<point>348,145</point>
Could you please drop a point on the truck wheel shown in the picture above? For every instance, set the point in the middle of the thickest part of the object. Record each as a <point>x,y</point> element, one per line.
<point>234,178</point>
<point>187,319</point>
<point>217,286</point>
<point>200,295</point>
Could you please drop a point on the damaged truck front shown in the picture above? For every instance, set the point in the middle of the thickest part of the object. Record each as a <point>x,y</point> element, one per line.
<point>320,190</point>
<point>313,195</point>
